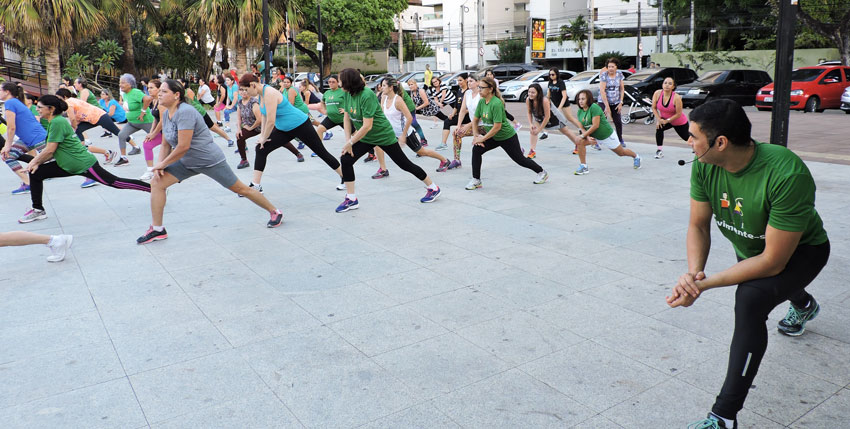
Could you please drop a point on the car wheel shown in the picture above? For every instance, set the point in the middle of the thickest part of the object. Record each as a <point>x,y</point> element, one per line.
<point>847,112</point>
<point>763,109</point>
<point>523,96</point>
<point>812,104</point>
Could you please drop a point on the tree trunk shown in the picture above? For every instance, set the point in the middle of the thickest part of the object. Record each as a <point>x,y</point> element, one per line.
<point>307,51</point>
<point>128,59</point>
<point>838,32</point>
<point>327,56</point>
<point>54,76</point>
<point>225,56</point>
<point>241,60</point>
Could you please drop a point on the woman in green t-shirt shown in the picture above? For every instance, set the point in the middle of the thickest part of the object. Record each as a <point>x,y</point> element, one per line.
<point>371,128</point>
<point>494,131</point>
<point>592,118</point>
<point>331,107</point>
<point>69,158</point>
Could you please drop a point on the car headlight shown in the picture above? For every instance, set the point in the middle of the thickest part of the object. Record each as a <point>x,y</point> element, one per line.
<point>797,92</point>
<point>514,88</point>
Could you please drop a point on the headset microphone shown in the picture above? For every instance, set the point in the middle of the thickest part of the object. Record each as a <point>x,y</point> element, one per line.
<point>682,161</point>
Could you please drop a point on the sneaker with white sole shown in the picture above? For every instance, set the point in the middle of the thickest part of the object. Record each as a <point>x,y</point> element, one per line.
<point>542,177</point>
<point>110,156</point>
<point>659,154</point>
<point>152,235</point>
<point>33,215</point>
<point>23,189</point>
<point>430,195</point>
<point>122,162</point>
<point>59,245</point>
<point>88,183</point>
<point>259,189</point>
<point>637,162</point>
<point>147,177</point>
<point>581,170</point>
<point>134,151</point>
<point>473,184</point>
<point>347,205</point>
<point>794,323</point>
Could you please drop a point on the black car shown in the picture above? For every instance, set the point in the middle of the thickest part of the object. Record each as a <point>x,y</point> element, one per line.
<point>506,72</point>
<point>647,81</point>
<point>738,85</point>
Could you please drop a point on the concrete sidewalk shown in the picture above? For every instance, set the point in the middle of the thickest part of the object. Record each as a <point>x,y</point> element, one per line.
<point>515,305</point>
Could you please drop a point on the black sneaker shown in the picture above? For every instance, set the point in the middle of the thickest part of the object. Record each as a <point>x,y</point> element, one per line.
<point>794,323</point>
<point>276,220</point>
<point>106,134</point>
<point>152,235</point>
<point>370,158</point>
<point>122,162</point>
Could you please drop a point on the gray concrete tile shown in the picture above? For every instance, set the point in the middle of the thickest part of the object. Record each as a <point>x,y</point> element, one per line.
<point>105,405</point>
<point>574,272</point>
<point>374,265</point>
<point>639,265</point>
<point>585,315</point>
<point>300,275</point>
<point>593,375</point>
<point>812,354</point>
<point>165,306</point>
<point>440,365</point>
<point>23,341</point>
<point>460,308</point>
<point>259,321</point>
<point>342,303</point>
<point>832,413</point>
<point>414,285</point>
<point>598,422</point>
<point>386,330</point>
<point>39,298</point>
<point>473,269</point>
<point>256,410</point>
<point>512,399</point>
<point>524,290</point>
<point>325,381</point>
<point>696,319</point>
<point>422,416</point>
<point>641,296</point>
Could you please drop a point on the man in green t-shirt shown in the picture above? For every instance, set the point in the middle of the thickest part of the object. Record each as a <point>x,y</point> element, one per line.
<point>762,198</point>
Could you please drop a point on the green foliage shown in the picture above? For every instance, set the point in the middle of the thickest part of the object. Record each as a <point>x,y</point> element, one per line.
<point>698,60</point>
<point>511,51</point>
<point>602,58</point>
<point>308,39</point>
<point>413,48</point>
<point>77,65</point>
<point>110,52</point>
<point>576,32</point>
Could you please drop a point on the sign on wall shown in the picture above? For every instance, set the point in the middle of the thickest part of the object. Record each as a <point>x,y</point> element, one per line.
<point>538,38</point>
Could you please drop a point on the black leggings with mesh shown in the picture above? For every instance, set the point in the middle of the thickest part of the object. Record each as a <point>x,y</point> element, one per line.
<point>305,133</point>
<point>394,152</point>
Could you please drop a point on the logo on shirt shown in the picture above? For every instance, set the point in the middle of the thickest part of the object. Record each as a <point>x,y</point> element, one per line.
<point>738,211</point>
<point>724,203</point>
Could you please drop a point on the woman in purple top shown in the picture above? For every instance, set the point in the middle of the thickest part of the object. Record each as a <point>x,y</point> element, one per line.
<point>611,89</point>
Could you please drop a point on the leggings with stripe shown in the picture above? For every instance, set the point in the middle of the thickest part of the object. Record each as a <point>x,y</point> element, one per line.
<point>18,150</point>
<point>95,172</point>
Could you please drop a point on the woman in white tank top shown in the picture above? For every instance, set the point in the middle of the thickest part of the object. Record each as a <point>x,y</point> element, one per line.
<point>467,107</point>
<point>400,118</point>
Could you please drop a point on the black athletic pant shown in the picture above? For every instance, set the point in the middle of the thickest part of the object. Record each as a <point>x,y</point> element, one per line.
<point>681,130</point>
<point>510,146</point>
<point>95,172</point>
<point>617,118</point>
<point>104,122</point>
<point>394,152</point>
<point>754,300</point>
<point>241,143</point>
<point>509,116</point>
<point>449,123</point>
<point>305,133</point>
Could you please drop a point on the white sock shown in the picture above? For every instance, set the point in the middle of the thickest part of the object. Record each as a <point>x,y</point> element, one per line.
<point>727,422</point>
<point>52,241</point>
<point>433,186</point>
<point>158,228</point>
<point>352,197</point>
<point>256,185</point>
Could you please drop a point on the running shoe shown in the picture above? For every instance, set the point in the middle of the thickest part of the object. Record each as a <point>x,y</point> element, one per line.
<point>517,127</point>
<point>275,220</point>
<point>341,186</point>
<point>259,189</point>
<point>544,135</point>
<point>33,215</point>
<point>596,146</point>
<point>659,154</point>
<point>147,177</point>
<point>23,189</point>
<point>110,156</point>
<point>300,145</point>
<point>581,170</point>
<point>637,162</point>
<point>59,245</point>
<point>134,151</point>
<point>542,177</point>
<point>231,143</point>
<point>794,323</point>
<point>313,155</point>
<point>226,129</point>
<point>712,422</point>
<point>300,157</point>
<point>370,157</point>
<point>441,146</point>
<point>531,155</point>
<point>430,195</point>
<point>122,161</point>
<point>152,235</point>
<point>623,144</point>
<point>328,135</point>
<point>106,134</point>
<point>473,184</point>
<point>381,174</point>
<point>88,183</point>
<point>444,165</point>
<point>424,142</point>
<point>454,164</point>
<point>87,142</point>
<point>347,205</point>
<point>575,151</point>
<point>243,164</point>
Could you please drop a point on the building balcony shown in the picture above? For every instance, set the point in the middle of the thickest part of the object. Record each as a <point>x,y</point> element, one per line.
<point>521,18</point>
<point>432,20</point>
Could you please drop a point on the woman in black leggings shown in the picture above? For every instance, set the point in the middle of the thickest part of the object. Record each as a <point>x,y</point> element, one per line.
<point>71,159</point>
<point>371,128</point>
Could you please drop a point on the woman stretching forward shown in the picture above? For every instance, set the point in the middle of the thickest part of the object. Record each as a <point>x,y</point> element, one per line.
<point>598,131</point>
<point>544,115</point>
<point>669,114</point>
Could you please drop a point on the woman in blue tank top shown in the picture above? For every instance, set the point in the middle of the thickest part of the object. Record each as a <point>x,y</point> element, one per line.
<point>282,122</point>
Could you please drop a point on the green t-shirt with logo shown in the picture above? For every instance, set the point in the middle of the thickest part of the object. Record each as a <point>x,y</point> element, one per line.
<point>492,113</point>
<point>775,188</point>
<point>365,105</point>
<point>408,102</point>
<point>71,155</point>
<point>586,118</point>
<point>135,102</point>
<point>332,99</point>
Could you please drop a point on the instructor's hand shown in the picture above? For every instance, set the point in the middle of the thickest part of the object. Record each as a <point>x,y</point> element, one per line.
<point>686,291</point>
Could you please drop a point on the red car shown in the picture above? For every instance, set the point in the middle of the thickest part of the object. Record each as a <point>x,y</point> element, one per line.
<point>813,89</point>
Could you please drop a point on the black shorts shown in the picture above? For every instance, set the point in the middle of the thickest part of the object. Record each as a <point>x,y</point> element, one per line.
<point>328,123</point>
<point>413,142</point>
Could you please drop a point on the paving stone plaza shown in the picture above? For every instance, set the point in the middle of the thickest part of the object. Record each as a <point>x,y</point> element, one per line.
<point>512,306</point>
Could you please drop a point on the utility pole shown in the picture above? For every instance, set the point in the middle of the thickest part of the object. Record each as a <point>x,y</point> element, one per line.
<point>288,42</point>
<point>416,21</point>
<point>480,31</point>
<point>782,72</point>
<point>659,44</point>
<point>462,56</point>
<point>267,56</point>
<point>692,27</point>
<point>639,44</point>
<point>592,24</point>
<point>400,46</point>
<point>320,45</point>
<point>449,44</point>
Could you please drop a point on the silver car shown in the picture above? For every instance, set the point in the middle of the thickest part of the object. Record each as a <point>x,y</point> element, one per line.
<point>586,80</point>
<point>845,100</point>
<point>517,89</point>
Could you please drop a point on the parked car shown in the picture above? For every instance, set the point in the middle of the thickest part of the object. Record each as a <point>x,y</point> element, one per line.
<point>376,80</point>
<point>845,100</point>
<point>506,72</point>
<point>647,81</point>
<point>813,89</point>
<point>450,79</point>
<point>517,89</point>
<point>586,80</point>
<point>738,85</point>
<point>418,76</point>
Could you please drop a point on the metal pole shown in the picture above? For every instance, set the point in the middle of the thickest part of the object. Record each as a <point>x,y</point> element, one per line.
<point>400,46</point>
<point>692,26</point>
<point>480,30</point>
<point>659,44</point>
<point>592,24</point>
<point>416,21</point>
<point>462,55</point>
<point>267,56</point>
<point>782,72</point>
<point>451,67</point>
<point>321,50</point>
<point>639,44</point>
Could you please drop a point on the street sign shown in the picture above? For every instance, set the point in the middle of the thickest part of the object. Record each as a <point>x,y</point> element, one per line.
<point>481,51</point>
<point>319,46</point>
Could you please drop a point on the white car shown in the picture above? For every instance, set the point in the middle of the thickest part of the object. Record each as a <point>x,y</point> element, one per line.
<point>517,89</point>
<point>586,80</point>
<point>845,100</point>
<point>419,77</point>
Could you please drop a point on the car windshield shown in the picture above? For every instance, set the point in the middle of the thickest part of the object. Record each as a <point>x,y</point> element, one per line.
<point>641,75</point>
<point>805,75</point>
<point>529,76</point>
<point>583,76</point>
<point>713,77</point>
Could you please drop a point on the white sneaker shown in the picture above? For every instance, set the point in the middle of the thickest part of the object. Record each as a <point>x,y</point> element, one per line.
<point>58,246</point>
<point>659,154</point>
<point>473,184</point>
<point>340,187</point>
<point>542,177</point>
<point>147,176</point>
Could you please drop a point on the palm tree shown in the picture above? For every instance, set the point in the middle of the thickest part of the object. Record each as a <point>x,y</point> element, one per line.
<point>576,31</point>
<point>121,12</point>
<point>46,24</point>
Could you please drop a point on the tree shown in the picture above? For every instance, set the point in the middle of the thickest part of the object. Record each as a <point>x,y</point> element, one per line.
<point>697,60</point>
<point>77,65</point>
<point>511,50</point>
<point>830,19</point>
<point>575,31</point>
<point>413,48</point>
<point>109,53</point>
<point>602,58</point>
<point>48,24</point>
<point>344,21</point>
<point>123,13</point>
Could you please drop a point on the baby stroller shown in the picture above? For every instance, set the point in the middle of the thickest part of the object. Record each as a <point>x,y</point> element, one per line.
<point>640,107</point>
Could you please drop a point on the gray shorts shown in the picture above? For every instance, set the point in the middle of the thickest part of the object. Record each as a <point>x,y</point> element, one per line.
<point>220,172</point>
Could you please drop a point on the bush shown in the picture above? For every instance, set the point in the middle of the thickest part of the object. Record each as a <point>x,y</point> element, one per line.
<point>511,51</point>
<point>600,59</point>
